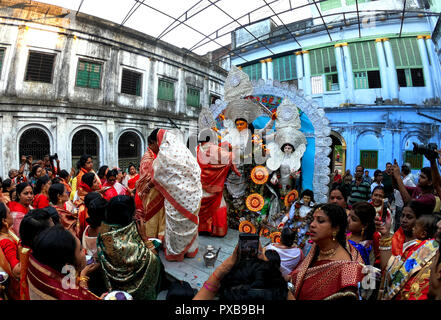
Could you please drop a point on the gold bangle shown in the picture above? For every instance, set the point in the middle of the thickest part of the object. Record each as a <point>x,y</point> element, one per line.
<point>83,278</point>
<point>385,242</point>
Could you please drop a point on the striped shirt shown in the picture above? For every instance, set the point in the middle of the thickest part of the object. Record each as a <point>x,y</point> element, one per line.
<point>362,192</point>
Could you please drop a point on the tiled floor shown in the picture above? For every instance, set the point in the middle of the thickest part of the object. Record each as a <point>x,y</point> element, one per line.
<point>194,270</point>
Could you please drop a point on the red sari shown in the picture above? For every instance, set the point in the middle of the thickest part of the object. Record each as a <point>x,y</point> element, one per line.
<point>326,279</point>
<point>131,183</point>
<point>40,201</point>
<point>46,284</point>
<point>215,163</point>
<point>9,258</point>
<point>83,190</point>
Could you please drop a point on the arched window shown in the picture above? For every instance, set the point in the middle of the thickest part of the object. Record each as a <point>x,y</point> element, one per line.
<point>129,147</point>
<point>34,142</point>
<point>85,142</point>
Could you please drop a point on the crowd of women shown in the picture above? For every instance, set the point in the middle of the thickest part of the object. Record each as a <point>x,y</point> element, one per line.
<point>93,223</point>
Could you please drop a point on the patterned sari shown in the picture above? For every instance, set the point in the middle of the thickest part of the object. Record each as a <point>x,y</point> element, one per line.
<point>150,205</point>
<point>407,275</point>
<point>326,279</point>
<point>127,263</point>
<point>47,284</point>
<point>177,175</point>
<point>215,163</point>
<point>69,220</point>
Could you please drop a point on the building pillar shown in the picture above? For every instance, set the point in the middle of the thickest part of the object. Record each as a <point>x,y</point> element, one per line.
<point>340,70</point>
<point>382,64</point>
<point>9,145</point>
<point>264,71</point>
<point>299,69</point>
<point>205,94</point>
<point>111,156</point>
<point>436,67</point>
<point>428,81</point>
<point>152,85</point>
<point>181,103</point>
<point>392,77</point>
<point>307,76</point>
<point>269,64</point>
<point>349,73</point>
<point>61,141</point>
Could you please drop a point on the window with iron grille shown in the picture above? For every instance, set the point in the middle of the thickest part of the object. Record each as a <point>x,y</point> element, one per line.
<point>88,74</point>
<point>415,160</point>
<point>131,82</point>
<point>2,55</point>
<point>254,71</point>
<point>369,159</point>
<point>284,68</point>
<point>365,65</point>
<point>193,97</point>
<point>40,67</point>
<point>408,62</point>
<point>330,4</point>
<point>323,62</point>
<point>166,90</point>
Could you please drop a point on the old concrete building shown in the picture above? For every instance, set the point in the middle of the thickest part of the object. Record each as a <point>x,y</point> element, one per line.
<point>72,84</point>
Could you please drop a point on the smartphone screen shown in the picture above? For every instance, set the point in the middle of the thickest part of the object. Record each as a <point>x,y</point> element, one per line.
<point>248,246</point>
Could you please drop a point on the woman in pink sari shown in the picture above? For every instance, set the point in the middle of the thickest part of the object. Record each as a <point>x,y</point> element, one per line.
<point>176,174</point>
<point>329,271</point>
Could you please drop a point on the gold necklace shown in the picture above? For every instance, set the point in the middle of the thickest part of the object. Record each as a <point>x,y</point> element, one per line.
<point>329,253</point>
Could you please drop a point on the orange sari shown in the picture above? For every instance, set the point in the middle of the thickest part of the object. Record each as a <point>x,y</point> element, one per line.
<point>150,205</point>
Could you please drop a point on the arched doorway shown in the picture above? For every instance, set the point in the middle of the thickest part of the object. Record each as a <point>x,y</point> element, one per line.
<point>34,142</point>
<point>338,153</point>
<point>85,141</point>
<point>129,147</point>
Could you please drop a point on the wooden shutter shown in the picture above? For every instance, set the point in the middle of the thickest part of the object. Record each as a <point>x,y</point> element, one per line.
<point>166,90</point>
<point>284,68</point>
<point>415,160</point>
<point>363,56</point>
<point>88,74</point>
<point>330,4</point>
<point>254,71</point>
<point>369,159</point>
<point>406,53</point>
<point>323,61</point>
<point>193,96</point>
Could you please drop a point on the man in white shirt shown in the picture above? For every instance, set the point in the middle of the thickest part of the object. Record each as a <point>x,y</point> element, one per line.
<point>399,203</point>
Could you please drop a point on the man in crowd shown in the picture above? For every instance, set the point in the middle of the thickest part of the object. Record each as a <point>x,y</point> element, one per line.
<point>366,177</point>
<point>387,182</point>
<point>360,190</point>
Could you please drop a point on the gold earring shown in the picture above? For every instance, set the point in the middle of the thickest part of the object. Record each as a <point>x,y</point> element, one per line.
<point>362,231</point>
<point>333,235</point>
